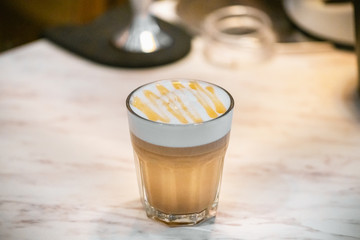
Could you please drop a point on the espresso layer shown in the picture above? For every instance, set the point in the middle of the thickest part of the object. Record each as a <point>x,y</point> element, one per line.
<point>180,180</point>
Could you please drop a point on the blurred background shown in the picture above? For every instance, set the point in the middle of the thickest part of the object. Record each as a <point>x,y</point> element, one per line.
<point>23,21</point>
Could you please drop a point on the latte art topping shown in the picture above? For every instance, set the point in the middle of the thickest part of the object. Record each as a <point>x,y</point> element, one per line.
<point>180,101</point>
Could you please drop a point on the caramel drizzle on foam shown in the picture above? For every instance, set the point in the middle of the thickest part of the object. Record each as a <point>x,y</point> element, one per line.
<point>174,104</point>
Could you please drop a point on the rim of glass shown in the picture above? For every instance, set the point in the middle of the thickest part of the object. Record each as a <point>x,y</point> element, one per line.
<point>235,11</point>
<point>231,106</point>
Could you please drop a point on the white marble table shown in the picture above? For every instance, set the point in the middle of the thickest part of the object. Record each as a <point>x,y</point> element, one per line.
<point>66,169</point>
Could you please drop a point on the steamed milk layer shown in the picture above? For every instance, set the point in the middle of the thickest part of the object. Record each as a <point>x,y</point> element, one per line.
<point>180,180</point>
<point>182,108</point>
<point>180,133</point>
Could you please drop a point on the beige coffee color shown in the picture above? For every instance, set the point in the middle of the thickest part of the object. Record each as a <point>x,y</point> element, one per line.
<point>180,180</point>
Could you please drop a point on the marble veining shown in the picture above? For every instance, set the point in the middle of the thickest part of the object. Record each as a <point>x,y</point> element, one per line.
<point>292,169</point>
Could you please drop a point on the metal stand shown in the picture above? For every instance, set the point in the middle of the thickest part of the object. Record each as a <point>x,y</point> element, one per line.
<point>143,34</point>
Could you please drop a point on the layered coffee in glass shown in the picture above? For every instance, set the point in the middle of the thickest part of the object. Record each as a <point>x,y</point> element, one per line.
<point>180,132</point>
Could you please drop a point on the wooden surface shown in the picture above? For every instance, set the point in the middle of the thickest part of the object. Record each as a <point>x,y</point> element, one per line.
<point>55,12</point>
<point>23,21</point>
<point>292,169</point>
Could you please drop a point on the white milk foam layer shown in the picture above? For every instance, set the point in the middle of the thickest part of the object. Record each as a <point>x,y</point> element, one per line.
<point>177,98</point>
<point>175,133</point>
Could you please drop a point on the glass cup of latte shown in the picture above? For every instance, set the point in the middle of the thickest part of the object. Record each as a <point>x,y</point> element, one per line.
<point>180,132</point>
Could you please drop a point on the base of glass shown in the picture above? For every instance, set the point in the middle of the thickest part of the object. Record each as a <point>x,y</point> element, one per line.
<point>180,219</point>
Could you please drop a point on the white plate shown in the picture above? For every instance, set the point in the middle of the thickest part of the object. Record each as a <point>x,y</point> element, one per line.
<point>334,22</point>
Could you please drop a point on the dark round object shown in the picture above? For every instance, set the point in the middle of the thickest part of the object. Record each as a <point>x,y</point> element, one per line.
<point>93,41</point>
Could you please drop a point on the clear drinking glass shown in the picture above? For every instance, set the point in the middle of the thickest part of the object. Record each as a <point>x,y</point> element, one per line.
<point>238,36</point>
<point>179,150</point>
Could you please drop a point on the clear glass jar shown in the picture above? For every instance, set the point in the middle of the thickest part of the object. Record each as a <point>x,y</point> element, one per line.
<point>238,36</point>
